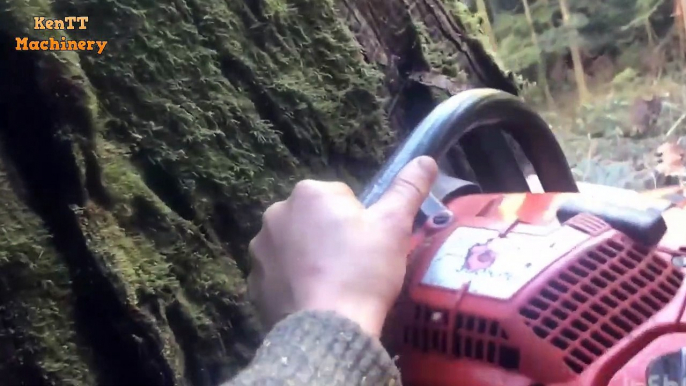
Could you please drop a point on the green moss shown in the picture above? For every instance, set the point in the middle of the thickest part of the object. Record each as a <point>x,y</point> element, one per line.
<point>131,258</point>
<point>234,105</point>
<point>471,21</point>
<point>473,24</point>
<point>439,54</point>
<point>128,187</point>
<point>168,257</point>
<point>36,301</point>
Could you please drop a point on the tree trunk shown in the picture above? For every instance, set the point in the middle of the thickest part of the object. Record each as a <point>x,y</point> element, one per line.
<point>483,11</point>
<point>541,66</point>
<point>133,180</point>
<point>579,74</point>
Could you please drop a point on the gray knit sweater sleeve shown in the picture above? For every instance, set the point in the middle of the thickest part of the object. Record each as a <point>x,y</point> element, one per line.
<point>319,348</point>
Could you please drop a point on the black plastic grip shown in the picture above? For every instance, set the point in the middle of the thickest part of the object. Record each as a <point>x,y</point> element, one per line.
<point>646,226</point>
<point>479,109</point>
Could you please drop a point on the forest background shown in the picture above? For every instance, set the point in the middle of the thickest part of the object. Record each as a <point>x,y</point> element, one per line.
<point>607,75</point>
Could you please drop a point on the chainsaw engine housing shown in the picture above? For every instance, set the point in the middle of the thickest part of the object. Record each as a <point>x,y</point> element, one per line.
<point>513,293</point>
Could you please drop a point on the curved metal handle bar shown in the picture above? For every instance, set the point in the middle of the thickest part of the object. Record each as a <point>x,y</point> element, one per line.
<point>467,111</point>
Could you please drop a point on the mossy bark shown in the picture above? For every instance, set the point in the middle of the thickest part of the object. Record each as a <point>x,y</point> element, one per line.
<point>132,181</point>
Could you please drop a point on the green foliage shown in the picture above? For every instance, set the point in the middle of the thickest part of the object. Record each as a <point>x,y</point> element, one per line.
<point>469,19</point>
<point>619,174</point>
<point>516,54</point>
<point>603,118</point>
<point>627,76</point>
<point>643,10</point>
<point>597,26</point>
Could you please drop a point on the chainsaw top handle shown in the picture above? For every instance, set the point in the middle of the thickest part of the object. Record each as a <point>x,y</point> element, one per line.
<point>469,111</point>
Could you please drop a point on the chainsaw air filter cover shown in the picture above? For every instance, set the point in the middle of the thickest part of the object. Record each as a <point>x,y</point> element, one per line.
<point>512,295</point>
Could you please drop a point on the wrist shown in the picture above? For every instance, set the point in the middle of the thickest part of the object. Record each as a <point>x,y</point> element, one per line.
<point>368,315</point>
<point>366,311</point>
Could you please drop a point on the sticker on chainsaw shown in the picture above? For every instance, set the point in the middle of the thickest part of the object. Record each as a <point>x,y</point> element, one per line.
<point>496,266</point>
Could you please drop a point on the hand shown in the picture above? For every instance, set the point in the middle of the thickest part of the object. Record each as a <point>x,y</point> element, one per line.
<point>321,249</point>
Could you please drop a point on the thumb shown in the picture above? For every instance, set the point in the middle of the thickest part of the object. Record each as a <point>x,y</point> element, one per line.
<point>409,189</point>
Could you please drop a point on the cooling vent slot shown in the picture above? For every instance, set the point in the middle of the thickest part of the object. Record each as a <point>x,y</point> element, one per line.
<point>601,298</point>
<point>472,337</point>
<point>484,340</point>
<point>430,330</point>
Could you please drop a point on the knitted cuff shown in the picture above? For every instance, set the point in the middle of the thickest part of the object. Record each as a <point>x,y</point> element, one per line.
<point>320,348</point>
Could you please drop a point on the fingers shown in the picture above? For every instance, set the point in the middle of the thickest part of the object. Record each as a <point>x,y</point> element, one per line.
<point>274,211</point>
<point>305,192</point>
<point>312,189</point>
<point>328,197</point>
<point>410,188</point>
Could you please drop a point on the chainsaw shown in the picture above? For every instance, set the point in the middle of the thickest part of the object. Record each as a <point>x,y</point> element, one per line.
<point>509,286</point>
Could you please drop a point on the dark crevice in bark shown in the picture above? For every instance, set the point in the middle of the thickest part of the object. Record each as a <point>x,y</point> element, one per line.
<point>17,364</point>
<point>419,103</point>
<point>414,101</point>
<point>197,369</point>
<point>93,173</point>
<point>126,351</point>
<point>481,64</point>
<point>70,103</point>
<point>168,189</point>
<point>256,7</point>
<point>490,75</point>
<point>164,185</point>
<point>236,329</point>
<point>231,233</point>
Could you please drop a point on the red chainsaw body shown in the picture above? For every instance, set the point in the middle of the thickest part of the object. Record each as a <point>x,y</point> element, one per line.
<point>509,296</point>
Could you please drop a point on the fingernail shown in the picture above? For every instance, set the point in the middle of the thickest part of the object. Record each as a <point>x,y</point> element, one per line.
<point>426,163</point>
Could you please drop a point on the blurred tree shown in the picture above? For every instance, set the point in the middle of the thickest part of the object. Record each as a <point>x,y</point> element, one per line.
<point>581,31</point>
<point>541,67</point>
<point>578,65</point>
<point>482,10</point>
